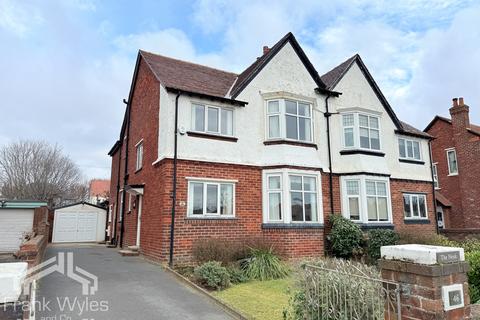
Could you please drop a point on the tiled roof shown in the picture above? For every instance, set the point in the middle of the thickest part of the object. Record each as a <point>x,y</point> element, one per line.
<point>409,129</point>
<point>189,76</point>
<point>442,199</point>
<point>332,77</point>
<point>475,129</point>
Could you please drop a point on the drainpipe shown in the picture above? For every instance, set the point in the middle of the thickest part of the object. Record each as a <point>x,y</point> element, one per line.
<point>327,115</point>
<point>433,189</point>
<point>114,231</point>
<point>125,173</point>
<point>174,183</point>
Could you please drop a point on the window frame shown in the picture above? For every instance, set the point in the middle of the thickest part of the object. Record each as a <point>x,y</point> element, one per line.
<point>363,198</point>
<point>285,190</point>
<point>356,130</point>
<point>406,157</point>
<point>411,195</point>
<point>450,173</point>
<point>139,155</point>
<point>205,119</point>
<point>436,182</point>
<point>282,114</point>
<point>205,183</point>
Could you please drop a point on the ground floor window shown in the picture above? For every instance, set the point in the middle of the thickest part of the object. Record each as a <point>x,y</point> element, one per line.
<point>415,206</point>
<point>292,196</point>
<point>211,198</point>
<point>366,199</point>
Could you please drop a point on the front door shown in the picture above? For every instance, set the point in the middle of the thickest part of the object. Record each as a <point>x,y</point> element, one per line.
<point>440,220</point>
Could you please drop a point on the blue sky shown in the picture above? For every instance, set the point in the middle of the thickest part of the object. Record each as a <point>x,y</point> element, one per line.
<point>66,65</point>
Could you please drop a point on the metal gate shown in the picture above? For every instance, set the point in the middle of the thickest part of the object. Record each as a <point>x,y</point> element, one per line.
<point>336,295</point>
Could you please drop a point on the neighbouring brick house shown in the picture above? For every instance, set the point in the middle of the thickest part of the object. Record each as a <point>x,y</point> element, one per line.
<point>456,154</point>
<point>269,152</point>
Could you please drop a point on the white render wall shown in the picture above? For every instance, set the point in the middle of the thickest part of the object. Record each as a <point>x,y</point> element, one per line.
<point>285,73</point>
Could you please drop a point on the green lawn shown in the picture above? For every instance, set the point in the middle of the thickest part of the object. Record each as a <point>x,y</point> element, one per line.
<point>258,299</point>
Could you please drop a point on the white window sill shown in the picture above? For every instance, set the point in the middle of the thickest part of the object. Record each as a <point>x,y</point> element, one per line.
<point>452,174</point>
<point>204,217</point>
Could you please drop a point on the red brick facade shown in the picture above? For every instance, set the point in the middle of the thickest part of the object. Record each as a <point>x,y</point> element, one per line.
<point>462,190</point>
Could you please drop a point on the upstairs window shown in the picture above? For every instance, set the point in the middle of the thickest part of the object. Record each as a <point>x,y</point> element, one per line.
<point>452,162</point>
<point>361,131</point>
<point>289,119</point>
<point>210,119</point>
<point>139,159</point>
<point>435,176</point>
<point>409,149</point>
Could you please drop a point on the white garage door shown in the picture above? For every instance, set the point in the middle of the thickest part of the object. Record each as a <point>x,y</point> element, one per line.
<point>13,224</point>
<point>75,227</point>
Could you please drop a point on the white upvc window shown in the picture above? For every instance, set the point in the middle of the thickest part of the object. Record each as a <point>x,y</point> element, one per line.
<point>292,196</point>
<point>361,131</point>
<point>139,155</point>
<point>415,206</point>
<point>290,120</point>
<point>366,199</point>
<point>452,162</point>
<point>435,176</point>
<point>409,149</point>
<point>212,119</point>
<point>209,198</point>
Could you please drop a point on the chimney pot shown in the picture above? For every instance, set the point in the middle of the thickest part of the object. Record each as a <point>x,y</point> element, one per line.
<point>455,102</point>
<point>460,101</point>
<point>265,49</point>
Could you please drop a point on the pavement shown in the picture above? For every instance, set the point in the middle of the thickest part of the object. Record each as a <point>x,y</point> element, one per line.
<point>128,288</point>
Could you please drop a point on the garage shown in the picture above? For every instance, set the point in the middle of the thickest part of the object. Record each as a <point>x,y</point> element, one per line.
<point>16,220</point>
<point>79,222</point>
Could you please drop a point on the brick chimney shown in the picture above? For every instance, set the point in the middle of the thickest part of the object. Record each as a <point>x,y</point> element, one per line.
<point>459,114</point>
<point>265,50</point>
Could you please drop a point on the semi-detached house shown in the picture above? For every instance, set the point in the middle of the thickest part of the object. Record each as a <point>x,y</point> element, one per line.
<point>270,152</point>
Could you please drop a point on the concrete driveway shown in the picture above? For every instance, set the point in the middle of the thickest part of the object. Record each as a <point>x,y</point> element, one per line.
<point>128,288</point>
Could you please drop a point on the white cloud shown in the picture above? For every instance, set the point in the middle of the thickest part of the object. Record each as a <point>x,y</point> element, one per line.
<point>18,19</point>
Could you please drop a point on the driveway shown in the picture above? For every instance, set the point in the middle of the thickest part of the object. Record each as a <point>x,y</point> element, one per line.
<point>128,288</point>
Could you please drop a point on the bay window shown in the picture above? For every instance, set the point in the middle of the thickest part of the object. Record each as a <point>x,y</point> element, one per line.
<point>361,131</point>
<point>366,199</point>
<point>289,119</point>
<point>409,149</point>
<point>211,119</point>
<point>415,206</point>
<point>292,197</point>
<point>211,198</point>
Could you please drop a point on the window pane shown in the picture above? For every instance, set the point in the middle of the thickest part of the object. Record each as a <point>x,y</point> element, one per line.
<point>274,206</point>
<point>372,208</point>
<point>374,139</point>
<point>297,206</point>
<point>363,120</point>
<point>349,142</point>
<point>374,122</point>
<point>212,119</point>
<point>292,127</point>
<point>227,122</point>
<point>370,188</point>
<point>274,126</point>
<point>354,208</point>
<point>382,209</point>
<point>290,107</point>
<point>295,183</point>
<point>348,120</point>
<point>309,184</point>
<point>406,206</point>
<point>226,199</point>
<point>364,138</point>
<point>199,117</point>
<point>310,206</point>
<point>416,150</point>
<point>304,109</point>
<point>196,191</point>
<point>409,149</point>
<point>273,107</point>
<point>305,130</point>
<point>421,204</point>
<point>381,189</point>
<point>415,212</point>
<point>452,161</point>
<point>352,188</point>
<point>401,148</point>
<point>273,183</point>
<point>212,197</point>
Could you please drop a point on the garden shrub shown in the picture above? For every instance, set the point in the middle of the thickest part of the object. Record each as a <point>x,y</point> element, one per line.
<point>470,245</point>
<point>473,259</point>
<point>345,237</point>
<point>237,275</point>
<point>222,250</point>
<point>430,239</point>
<point>378,238</point>
<point>264,264</point>
<point>212,275</point>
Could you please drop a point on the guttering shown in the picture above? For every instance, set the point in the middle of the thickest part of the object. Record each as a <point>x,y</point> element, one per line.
<point>207,96</point>
<point>327,115</point>
<point>433,188</point>
<point>174,183</point>
<point>125,173</point>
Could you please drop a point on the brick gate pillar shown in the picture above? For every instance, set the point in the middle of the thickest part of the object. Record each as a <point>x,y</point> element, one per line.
<point>433,280</point>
